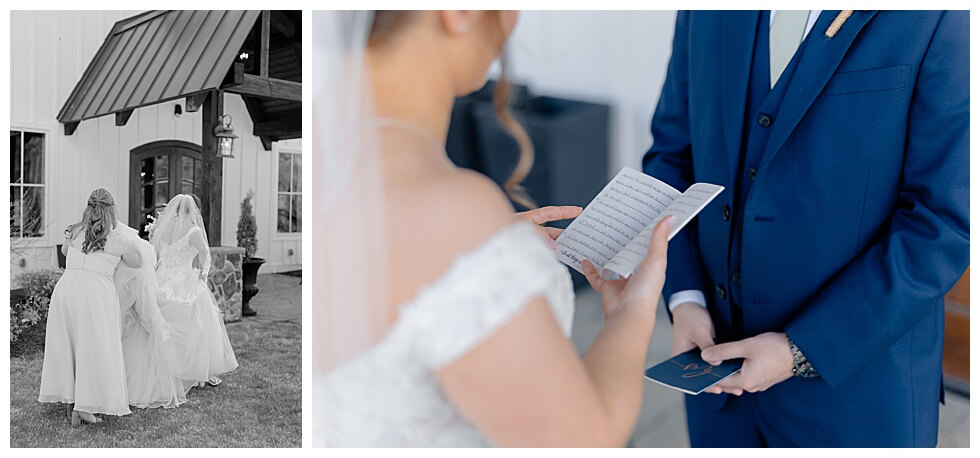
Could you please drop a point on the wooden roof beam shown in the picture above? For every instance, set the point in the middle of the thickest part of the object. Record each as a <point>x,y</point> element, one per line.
<point>70,127</point>
<point>278,127</point>
<point>272,88</point>
<point>195,101</point>
<point>282,23</point>
<point>264,44</point>
<point>122,117</point>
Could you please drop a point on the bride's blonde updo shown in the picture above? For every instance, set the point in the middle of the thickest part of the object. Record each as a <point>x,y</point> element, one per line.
<point>98,219</point>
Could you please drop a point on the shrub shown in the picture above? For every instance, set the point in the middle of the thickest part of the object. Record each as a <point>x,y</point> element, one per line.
<point>247,227</point>
<point>25,315</point>
<point>40,282</point>
<point>32,311</point>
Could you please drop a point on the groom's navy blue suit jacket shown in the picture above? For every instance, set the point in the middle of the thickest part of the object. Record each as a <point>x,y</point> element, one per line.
<point>843,226</point>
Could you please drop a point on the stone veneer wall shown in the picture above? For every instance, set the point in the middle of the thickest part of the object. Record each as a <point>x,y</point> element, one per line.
<point>225,280</point>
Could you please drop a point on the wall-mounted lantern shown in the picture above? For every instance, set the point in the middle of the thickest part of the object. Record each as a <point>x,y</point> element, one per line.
<point>226,137</point>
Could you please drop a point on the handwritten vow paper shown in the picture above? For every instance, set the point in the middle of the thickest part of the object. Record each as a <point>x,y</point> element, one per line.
<point>614,230</point>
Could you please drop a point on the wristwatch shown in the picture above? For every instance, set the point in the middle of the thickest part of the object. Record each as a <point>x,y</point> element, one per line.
<point>801,366</point>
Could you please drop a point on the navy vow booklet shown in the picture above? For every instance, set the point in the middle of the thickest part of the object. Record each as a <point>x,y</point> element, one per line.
<point>689,373</point>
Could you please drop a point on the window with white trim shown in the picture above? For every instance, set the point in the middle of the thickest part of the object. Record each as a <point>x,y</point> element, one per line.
<point>27,184</point>
<point>289,219</point>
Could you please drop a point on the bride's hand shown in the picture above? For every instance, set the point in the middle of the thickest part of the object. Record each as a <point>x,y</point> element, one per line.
<point>641,291</point>
<point>543,215</point>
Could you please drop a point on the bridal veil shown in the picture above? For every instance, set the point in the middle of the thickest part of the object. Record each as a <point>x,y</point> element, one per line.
<point>349,265</point>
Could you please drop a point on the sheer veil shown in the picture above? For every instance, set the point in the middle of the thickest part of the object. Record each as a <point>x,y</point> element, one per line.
<point>349,263</point>
<point>178,217</point>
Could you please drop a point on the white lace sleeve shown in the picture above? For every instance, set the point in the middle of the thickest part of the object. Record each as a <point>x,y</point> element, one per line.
<point>482,291</point>
<point>206,263</point>
<point>203,252</point>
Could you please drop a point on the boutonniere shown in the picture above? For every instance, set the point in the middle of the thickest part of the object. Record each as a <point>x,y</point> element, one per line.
<point>837,23</point>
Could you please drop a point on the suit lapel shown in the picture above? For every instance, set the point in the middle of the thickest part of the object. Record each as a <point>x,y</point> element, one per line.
<point>736,42</point>
<point>820,59</point>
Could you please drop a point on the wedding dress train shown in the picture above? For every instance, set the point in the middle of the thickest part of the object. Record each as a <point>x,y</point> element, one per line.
<point>148,340</point>
<point>201,346</point>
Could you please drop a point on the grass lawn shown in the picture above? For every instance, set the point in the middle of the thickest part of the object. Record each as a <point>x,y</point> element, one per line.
<point>257,405</point>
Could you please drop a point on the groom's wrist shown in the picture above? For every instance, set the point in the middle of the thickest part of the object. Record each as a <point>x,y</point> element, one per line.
<point>802,368</point>
<point>682,297</point>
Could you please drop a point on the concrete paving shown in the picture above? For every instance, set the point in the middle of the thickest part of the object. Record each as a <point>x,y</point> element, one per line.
<point>280,298</point>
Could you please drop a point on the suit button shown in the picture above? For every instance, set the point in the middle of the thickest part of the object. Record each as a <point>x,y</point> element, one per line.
<point>764,120</point>
<point>721,291</point>
<point>737,277</point>
<point>726,213</point>
<point>752,173</point>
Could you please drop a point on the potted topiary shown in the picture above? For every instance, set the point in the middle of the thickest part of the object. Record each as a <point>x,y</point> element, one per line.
<point>251,264</point>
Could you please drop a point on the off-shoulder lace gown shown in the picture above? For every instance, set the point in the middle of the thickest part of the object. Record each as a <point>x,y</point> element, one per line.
<point>201,343</point>
<point>389,395</point>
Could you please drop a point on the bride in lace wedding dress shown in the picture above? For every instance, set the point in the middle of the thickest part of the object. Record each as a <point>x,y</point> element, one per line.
<point>440,318</point>
<point>199,341</point>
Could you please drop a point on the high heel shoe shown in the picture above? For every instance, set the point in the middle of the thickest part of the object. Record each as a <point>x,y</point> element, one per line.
<point>77,419</point>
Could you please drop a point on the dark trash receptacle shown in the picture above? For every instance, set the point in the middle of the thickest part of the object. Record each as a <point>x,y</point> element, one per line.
<point>461,145</point>
<point>571,146</point>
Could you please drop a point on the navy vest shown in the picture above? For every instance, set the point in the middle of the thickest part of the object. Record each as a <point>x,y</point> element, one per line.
<point>761,113</point>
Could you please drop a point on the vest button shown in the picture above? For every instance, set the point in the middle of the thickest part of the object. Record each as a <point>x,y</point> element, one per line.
<point>752,173</point>
<point>721,291</point>
<point>726,213</point>
<point>764,120</point>
<point>737,277</point>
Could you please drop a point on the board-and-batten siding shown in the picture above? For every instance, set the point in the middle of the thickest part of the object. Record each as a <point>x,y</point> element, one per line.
<point>49,52</point>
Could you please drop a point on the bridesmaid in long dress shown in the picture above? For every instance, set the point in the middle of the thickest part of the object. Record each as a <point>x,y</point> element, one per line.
<point>83,354</point>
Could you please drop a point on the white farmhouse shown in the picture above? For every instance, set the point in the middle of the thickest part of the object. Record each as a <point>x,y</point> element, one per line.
<point>128,101</point>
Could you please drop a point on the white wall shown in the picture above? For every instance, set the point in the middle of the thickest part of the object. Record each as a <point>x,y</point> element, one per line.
<point>49,52</point>
<point>614,57</point>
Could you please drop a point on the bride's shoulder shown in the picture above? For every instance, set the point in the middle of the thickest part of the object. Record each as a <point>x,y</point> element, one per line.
<point>475,194</point>
<point>451,212</point>
<point>469,201</point>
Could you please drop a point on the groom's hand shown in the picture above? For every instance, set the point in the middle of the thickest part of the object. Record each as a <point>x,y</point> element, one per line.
<point>692,328</point>
<point>768,361</point>
<point>543,215</point>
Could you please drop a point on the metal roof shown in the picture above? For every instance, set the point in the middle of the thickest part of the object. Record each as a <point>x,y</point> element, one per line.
<point>158,56</point>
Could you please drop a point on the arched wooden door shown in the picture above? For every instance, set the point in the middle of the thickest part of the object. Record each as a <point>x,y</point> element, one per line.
<point>158,171</point>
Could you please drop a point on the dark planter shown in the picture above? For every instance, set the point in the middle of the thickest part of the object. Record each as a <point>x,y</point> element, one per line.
<point>62,260</point>
<point>250,270</point>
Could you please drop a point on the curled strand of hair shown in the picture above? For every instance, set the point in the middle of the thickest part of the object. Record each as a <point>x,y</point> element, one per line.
<point>97,220</point>
<point>501,100</point>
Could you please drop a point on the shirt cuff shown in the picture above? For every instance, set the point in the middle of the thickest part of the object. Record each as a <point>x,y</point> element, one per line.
<point>688,295</point>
